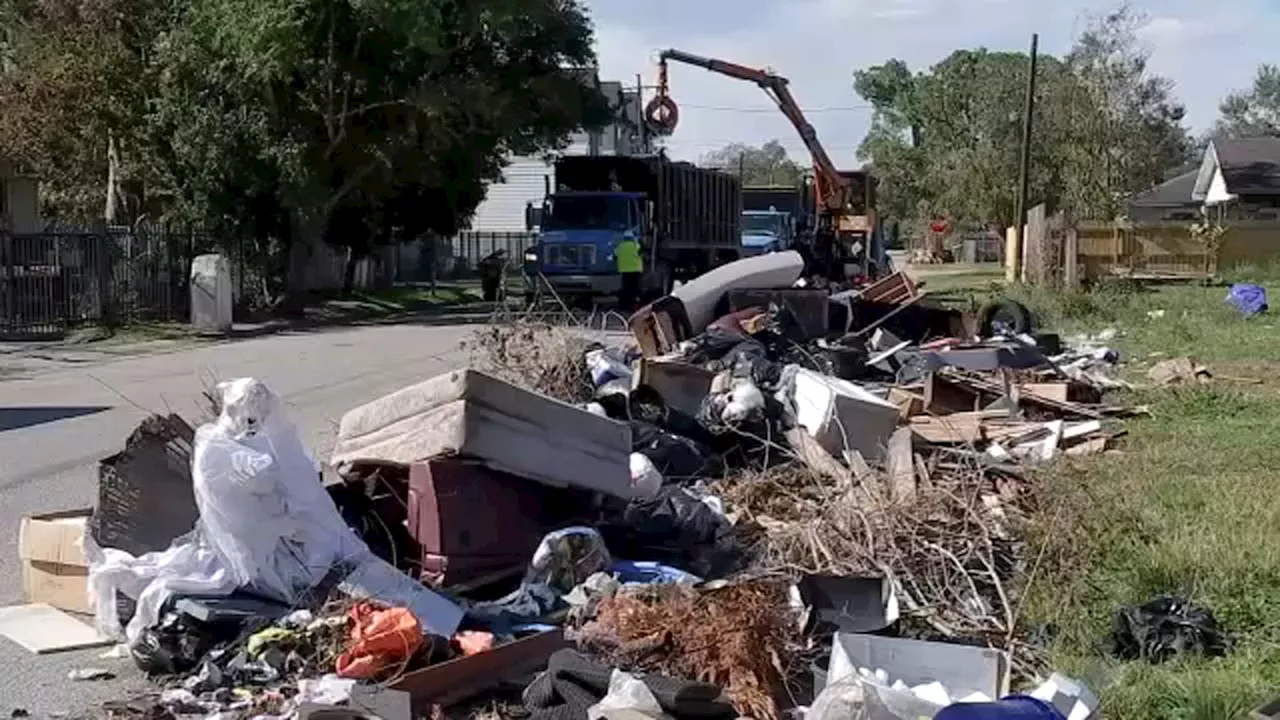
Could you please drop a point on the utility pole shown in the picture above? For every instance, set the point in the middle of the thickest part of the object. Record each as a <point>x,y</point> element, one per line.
<point>1013,264</point>
<point>642,134</point>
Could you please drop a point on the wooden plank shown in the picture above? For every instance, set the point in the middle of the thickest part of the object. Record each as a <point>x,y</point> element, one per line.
<point>909,403</point>
<point>942,397</point>
<point>812,453</point>
<point>900,465</point>
<point>953,429</point>
<point>1071,259</point>
<point>1056,391</point>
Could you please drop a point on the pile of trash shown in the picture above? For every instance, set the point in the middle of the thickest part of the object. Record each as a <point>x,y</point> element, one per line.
<point>767,500</point>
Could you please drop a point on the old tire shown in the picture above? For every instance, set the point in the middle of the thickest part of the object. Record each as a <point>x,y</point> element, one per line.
<point>1004,316</point>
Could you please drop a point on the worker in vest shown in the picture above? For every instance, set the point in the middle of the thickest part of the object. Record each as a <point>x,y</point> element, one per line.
<point>630,267</point>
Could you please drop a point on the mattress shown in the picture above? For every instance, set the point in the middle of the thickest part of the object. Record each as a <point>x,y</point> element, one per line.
<point>471,414</point>
<point>702,294</point>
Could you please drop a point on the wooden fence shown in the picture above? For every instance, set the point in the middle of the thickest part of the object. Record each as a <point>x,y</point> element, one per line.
<point>1058,252</point>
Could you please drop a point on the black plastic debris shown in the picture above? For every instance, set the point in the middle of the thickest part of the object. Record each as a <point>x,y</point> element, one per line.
<point>1164,628</point>
<point>678,458</point>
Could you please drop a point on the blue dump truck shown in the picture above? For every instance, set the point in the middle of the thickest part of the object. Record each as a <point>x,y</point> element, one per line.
<point>775,218</point>
<point>687,220</point>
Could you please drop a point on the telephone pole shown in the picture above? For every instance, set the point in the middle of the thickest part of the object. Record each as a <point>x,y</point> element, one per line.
<point>1013,265</point>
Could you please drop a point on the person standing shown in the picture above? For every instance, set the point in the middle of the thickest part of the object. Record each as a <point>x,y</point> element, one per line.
<point>630,266</point>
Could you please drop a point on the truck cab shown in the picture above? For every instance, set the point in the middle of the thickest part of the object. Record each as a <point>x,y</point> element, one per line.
<point>578,234</point>
<point>766,231</point>
<point>685,219</point>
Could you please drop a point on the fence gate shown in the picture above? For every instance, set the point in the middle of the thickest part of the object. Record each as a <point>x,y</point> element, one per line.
<point>51,282</point>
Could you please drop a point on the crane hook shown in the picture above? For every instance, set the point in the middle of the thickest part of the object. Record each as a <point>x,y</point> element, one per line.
<point>662,114</point>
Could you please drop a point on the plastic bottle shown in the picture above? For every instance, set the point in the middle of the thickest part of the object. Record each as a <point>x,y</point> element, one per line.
<point>1013,707</point>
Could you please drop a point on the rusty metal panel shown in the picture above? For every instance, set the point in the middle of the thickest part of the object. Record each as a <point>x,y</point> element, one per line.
<point>462,678</point>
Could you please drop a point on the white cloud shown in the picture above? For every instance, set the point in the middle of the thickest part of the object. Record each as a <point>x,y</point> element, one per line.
<point>1208,49</point>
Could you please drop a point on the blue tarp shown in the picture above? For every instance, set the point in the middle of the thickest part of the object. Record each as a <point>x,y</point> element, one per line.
<point>1248,298</point>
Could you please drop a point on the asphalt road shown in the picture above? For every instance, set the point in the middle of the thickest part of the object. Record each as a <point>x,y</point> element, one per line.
<point>56,425</point>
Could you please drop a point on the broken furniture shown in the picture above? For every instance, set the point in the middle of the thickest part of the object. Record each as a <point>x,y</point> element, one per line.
<point>659,326</point>
<point>145,496</point>
<point>472,522</point>
<point>470,414</point>
<point>843,416</point>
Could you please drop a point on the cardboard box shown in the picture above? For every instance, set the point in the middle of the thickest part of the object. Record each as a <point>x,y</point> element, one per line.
<point>54,569</point>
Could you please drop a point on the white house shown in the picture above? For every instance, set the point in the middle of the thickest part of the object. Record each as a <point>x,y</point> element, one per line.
<point>525,178</point>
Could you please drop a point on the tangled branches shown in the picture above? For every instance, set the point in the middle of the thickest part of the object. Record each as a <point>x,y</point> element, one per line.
<point>738,637</point>
<point>949,550</point>
<point>536,356</point>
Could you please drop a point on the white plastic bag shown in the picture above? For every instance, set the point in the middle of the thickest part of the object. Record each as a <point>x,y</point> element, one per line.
<point>629,695</point>
<point>266,524</point>
<point>646,481</point>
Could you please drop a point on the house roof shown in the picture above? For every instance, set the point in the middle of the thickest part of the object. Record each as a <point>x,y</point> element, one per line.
<point>1249,166</point>
<point>1174,192</point>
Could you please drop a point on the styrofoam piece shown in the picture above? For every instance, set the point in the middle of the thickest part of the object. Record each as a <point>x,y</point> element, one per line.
<point>964,670</point>
<point>701,295</point>
<point>45,629</point>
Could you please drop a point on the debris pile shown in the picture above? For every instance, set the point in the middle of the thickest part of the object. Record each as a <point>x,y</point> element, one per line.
<point>766,499</point>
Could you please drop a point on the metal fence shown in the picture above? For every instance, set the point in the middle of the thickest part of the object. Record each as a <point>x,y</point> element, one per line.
<point>67,278</point>
<point>458,258</point>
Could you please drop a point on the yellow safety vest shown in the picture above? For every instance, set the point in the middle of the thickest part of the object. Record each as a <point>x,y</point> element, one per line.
<point>628,257</point>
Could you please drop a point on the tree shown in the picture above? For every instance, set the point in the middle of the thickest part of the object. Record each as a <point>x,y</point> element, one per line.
<point>946,142</point>
<point>294,121</point>
<point>73,86</point>
<point>362,100</point>
<point>766,165</point>
<point>1253,112</point>
<point>1124,129</point>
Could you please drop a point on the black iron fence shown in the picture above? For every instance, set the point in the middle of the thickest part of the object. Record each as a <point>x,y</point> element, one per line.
<point>66,278</point>
<point>458,258</point>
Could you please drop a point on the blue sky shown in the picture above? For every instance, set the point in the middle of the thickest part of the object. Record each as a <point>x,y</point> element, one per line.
<point>1206,48</point>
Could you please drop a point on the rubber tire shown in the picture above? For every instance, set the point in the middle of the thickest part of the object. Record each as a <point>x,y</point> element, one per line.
<point>1009,312</point>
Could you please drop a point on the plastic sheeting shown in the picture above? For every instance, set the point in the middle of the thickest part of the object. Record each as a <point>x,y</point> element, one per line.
<point>1248,298</point>
<point>266,525</point>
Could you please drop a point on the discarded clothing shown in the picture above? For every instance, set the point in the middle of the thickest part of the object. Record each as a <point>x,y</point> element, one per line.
<point>564,559</point>
<point>379,639</point>
<point>1165,627</point>
<point>573,683</point>
<point>1248,298</point>
<point>529,603</point>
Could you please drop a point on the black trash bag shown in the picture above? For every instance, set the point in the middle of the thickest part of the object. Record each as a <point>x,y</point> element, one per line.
<point>173,646</point>
<point>673,528</point>
<point>1164,628</point>
<point>713,344</point>
<point>677,458</point>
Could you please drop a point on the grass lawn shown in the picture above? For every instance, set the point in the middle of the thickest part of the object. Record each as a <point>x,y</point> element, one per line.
<point>1189,507</point>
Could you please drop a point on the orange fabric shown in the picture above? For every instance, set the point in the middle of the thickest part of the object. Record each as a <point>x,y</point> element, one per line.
<point>379,638</point>
<point>474,642</point>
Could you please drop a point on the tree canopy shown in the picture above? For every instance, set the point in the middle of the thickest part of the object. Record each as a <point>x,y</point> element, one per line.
<point>766,165</point>
<point>946,142</point>
<point>1255,111</point>
<point>295,120</point>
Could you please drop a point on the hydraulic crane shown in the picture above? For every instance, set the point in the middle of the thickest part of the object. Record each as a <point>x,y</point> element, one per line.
<point>844,198</point>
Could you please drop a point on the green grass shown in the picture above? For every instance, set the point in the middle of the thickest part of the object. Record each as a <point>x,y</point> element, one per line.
<point>1190,506</point>
<point>407,298</point>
